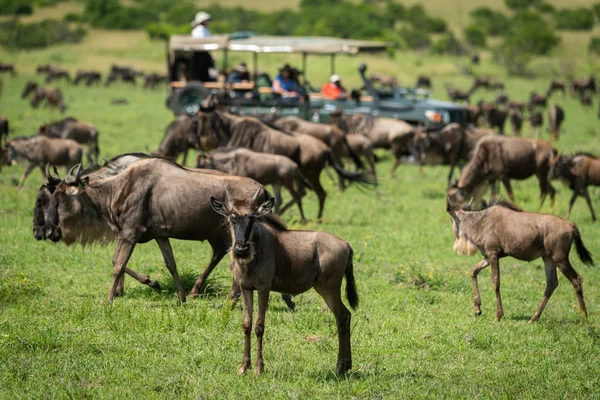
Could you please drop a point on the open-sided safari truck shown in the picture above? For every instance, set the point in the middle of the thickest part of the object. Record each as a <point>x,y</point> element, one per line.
<point>190,65</point>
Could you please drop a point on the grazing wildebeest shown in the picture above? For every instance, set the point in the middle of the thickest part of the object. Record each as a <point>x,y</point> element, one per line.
<point>556,116</point>
<point>585,99</point>
<point>151,81</point>
<point>516,105</point>
<point>125,74</point>
<point>180,136</point>
<point>333,136</point>
<point>459,95</point>
<point>497,85</point>
<point>556,86</point>
<point>386,81</point>
<point>29,88</point>
<point>503,230</point>
<point>222,129</point>
<point>579,172</point>
<point>516,121</point>
<point>501,99</point>
<point>4,67</point>
<point>53,96</point>
<point>386,133</point>
<point>89,77</point>
<point>42,150</point>
<point>149,200</point>
<point>43,68</point>
<point>423,82</point>
<point>266,257</point>
<point>502,158</point>
<point>266,169</point>
<point>536,100</point>
<point>580,86</point>
<point>536,119</point>
<point>495,117</point>
<point>481,82</point>
<point>81,132</point>
<point>54,73</point>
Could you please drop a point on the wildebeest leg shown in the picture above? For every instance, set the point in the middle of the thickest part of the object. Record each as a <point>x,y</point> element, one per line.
<point>508,187</point>
<point>495,265</point>
<point>287,298</point>
<point>321,194</point>
<point>572,202</point>
<point>278,199</point>
<point>297,198</point>
<point>452,166</point>
<point>586,194</point>
<point>333,299</point>
<point>477,268</point>
<point>396,164</point>
<point>576,280</point>
<point>184,157</point>
<point>143,279</point>
<point>122,254</point>
<point>494,193</point>
<point>28,171</point>
<point>247,297</point>
<point>218,253</point>
<point>167,252</point>
<point>259,329</point>
<point>545,187</point>
<point>551,284</point>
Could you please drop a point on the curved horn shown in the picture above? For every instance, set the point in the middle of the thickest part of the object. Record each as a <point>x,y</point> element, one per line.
<point>470,202</point>
<point>56,175</point>
<point>47,171</point>
<point>72,169</point>
<point>256,196</point>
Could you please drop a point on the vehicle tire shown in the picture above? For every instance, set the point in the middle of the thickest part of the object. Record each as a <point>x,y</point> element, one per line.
<point>187,100</point>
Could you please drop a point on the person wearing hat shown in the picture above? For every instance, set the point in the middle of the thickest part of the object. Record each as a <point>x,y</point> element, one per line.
<point>285,85</point>
<point>239,74</point>
<point>334,89</point>
<point>200,25</point>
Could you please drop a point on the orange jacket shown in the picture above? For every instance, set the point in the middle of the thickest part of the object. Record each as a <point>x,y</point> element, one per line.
<point>331,90</point>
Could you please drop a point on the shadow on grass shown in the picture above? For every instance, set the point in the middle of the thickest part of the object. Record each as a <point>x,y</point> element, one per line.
<point>209,290</point>
<point>356,375</point>
<point>519,318</point>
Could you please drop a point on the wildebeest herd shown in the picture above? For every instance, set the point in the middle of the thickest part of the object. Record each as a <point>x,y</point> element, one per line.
<point>136,198</point>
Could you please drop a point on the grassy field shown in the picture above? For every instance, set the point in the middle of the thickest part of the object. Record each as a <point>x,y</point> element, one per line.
<point>414,335</point>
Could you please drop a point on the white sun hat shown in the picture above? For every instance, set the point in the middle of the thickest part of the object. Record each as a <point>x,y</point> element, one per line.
<point>200,18</point>
<point>335,78</point>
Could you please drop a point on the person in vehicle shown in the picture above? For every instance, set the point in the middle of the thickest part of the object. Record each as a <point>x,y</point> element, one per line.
<point>286,85</point>
<point>200,25</point>
<point>239,74</point>
<point>334,89</point>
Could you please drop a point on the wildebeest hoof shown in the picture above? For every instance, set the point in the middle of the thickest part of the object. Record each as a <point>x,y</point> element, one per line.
<point>154,285</point>
<point>258,369</point>
<point>477,313</point>
<point>242,369</point>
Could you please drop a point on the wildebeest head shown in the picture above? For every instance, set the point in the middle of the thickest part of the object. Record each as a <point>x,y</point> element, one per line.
<point>560,167</point>
<point>42,203</point>
<point>68,201</point>
<point>241,217</point>
<point>462,244</point>
<point>205,161</point>
<point>30,86</point>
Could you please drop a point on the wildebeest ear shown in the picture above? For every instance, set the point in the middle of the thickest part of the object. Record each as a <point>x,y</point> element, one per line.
<point>83,182</point>
<point>219,207</point>
<point>266,207</point>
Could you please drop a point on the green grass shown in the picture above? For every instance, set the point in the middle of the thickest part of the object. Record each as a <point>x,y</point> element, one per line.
<point>414,335</point>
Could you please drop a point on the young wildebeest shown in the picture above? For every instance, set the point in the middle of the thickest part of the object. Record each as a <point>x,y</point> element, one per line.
<point>423,82</point>
<point>536,100</point>
<point>55,73</point>
<point>41,150</point>
<point>580,86</point>
<point>502,230</point>
<point>8,68</point>
<point>180,136</point>
<point>266,169</point>
<point>536,119</point>
<point>81,132</point>
<point>502,158</point>
<point>516,121</point>
<point>495,117</point>
<point>149,200</point>
<point>578,172</point>
<point>89,77</point>
<point>556,116</point>
<point>556,86</point>
<point>267,257</point>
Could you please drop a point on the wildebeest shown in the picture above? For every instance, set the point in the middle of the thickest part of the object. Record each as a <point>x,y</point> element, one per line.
<point>536,119</point>
<point>4,129</point>
<point>516,105</point>
<point>480,82</point>
<point>386,133</point>
<point>423,82</point>
<point>501,99</point>
<point>81,132</point>
<point>266,257</point>
<point>180,136</point>
<point>54,73</point>
<point>516,121</point>
<point>361,146</point>
<point>125,74</point>
<point>495,117</point>
<point>497,85</point>
<point>556,86</point>
<point>89,77</point>
<point>43,68</point>
<point>578,172</point>
<point>502,158</point>
<point>152,199</point>
<point>223,129</point>
<point>475,59</point>
<point>5,67</point>
<point>41,150</point>
<point>536,100</point>
<point>580,86</point>
<point>502,230</point>
<point>152,80</point>
<point>266,169</point>
<point>460,95</point>
<point>556,116</point>
<point>52,96</point>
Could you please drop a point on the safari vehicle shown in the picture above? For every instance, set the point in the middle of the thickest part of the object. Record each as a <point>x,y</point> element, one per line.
<point>190,67</point>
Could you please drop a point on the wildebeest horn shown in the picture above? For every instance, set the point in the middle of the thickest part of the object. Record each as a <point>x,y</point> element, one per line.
<point>47,171</point>
<point>77,174</point>
<point>256,196</point>
<point>470,202</point>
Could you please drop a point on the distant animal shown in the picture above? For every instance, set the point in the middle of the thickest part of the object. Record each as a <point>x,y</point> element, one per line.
<point>386,81</point>
<point>52,96</point>
<point>481,82</point>
<point>536,119</point>
<point>503,230</point>
<point>536,100</point>
<point>459,95</point>
<point>423,82</point>
<point>556,116</point>
<point>4,130</point>
<point>556,86</point>
<point>495,117</point>
<point>516,121</point>
<point>578,172</point>
<point>124,74</point>
<point>54,73</point>
<point>89,77</point>
<point>5,67</point>
<point>516,105</point>
<point>151,81</point>
<point>502,158</point>
<point>40,150</point>
<point>586,100</point>
<point>497,85</point>
<point>119,102</point>
<point>266,257</point>
<point>44,68</point>
<point>180,136</point>
<point>266,169</point>
<point>475,59</point>
<point>580,86</point>
<point>501,99</point>
<point>81,132</point>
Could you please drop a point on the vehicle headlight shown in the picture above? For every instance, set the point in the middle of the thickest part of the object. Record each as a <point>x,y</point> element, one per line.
<point>434,116</point>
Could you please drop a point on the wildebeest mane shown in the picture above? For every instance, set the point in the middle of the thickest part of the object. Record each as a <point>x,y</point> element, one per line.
<point>585,153</point>
<point>274,222</point>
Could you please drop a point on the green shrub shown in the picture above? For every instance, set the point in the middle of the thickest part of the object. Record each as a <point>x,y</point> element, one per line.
<point>576,19</point>
<point>529,33</point>
<point>14,34</point>
<point>163,30</point>
<point>110,14</point>
<point>545,7</point>
<point>414,38</point>
<point>447,44</point>
<point>594,45</point>
<point>520,4</point>
<point>73,17</point>
<point>492,22</point>
<point>418,18</point>
<point>16,7</point>
<point>596,10</point>
<point>475,35</point>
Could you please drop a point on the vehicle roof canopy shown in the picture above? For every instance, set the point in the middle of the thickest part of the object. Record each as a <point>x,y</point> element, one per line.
<point>277,44</point>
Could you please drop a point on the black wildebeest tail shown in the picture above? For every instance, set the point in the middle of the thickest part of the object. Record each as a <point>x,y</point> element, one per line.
<point>351,293</point>
<point>359,177</point>
<point>357,161</point>
<point>584,254</point>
